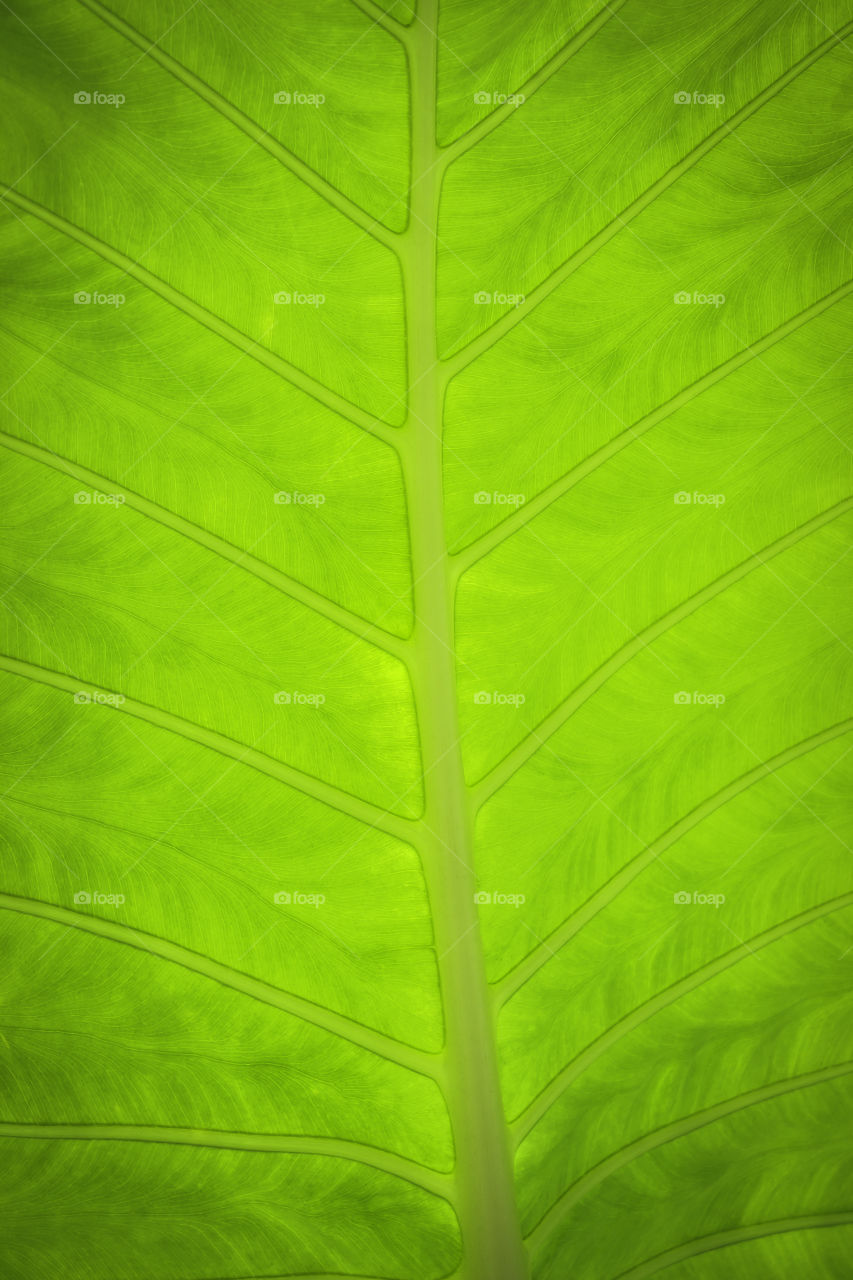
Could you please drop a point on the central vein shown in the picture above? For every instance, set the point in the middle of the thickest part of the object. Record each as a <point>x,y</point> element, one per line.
<point>492,1243</point>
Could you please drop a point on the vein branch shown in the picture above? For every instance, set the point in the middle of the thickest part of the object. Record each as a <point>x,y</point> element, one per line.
<point>522,516</point>
<point>468,140</point>
<point>229,1140</point>
<point>609,892</point>
<point>537,738</point>
<point>491,336</point>
<point>304,381</point>
<point>551,1094</point>
<point>738,1235</point>
<point>371,226</point>
<point>561,1209</point>
<point>329,609</point>
<point>381,18</point>
<point>327,793</point>
<point>337,1024</point>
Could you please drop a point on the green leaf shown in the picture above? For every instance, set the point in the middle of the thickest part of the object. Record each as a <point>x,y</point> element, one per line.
<point>426,500</point>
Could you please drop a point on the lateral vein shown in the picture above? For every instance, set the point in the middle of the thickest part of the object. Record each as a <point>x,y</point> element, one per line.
<point>471,137</point>
<point>277,364</point>
<point>230,1140</point>
<point>527,748</point>
<point>343,204</point>
<point>738,1235</point>
<point>337,1024</point>
<point>489,338</point>
<point>333,612</point>
<point>572,925</point>
<point>488,542</point>
<point>670,1133</point>
<point>394,26</point>
<point>553,1091</point>
<point>326,792</point>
